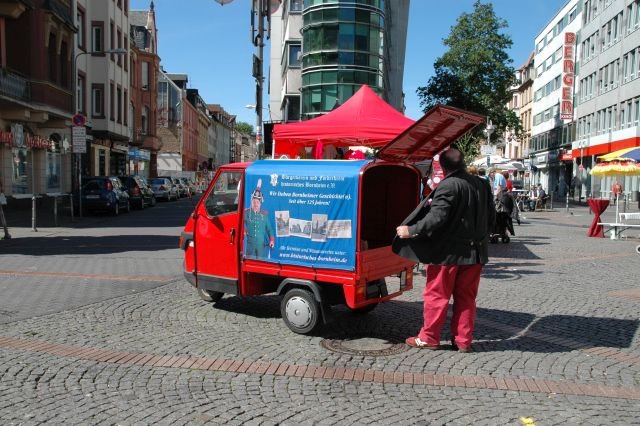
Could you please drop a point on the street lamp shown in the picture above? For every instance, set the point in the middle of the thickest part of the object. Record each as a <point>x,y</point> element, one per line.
<point>488,130</point>
<point>260,9</point>
<point>116,51</point>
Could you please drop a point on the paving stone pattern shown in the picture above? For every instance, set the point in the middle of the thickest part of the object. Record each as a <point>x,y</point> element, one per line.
<point>556,341</point>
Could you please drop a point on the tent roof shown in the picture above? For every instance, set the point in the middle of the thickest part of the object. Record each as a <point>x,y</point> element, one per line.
<point>364,119</point>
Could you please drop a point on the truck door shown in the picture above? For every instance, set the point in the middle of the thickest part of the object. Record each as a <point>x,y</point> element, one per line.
<point>217,234</point>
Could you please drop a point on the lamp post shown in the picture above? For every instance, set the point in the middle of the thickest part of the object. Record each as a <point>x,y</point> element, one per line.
<point>262,10</point>
<point>258,147</point>
<point>488,130</point>
<point>117,51</point>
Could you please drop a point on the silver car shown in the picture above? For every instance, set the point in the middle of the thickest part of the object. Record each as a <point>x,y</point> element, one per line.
<point>163,189</point>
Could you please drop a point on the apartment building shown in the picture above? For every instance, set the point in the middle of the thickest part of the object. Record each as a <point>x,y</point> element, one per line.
<point>224,128</point>
<point>102,86</point>
<point>36,96</point>
<point>323,51</point>
<point>607,89</point>
<point>204,122</point>
<point>553,128</point>
<point>142,113</point>
<point>517,145</point>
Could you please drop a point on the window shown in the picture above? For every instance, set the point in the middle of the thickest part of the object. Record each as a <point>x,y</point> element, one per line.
<point>294,55</point>
<point>80,23</point>
<point>295,6</point>
<point>112,104</point>
<point>112,34</point>
<point>97,36</point>
<point>81,88</point>
<point>52,58</point>
<point>224,197</point>
<point>125,107</point>
<point>64,65</point>
<point>97,100</point>
<point>144,125</point>
<point>119,100</point>
<point>144,75</point>
<point>119,33</point>
<point>126,57</point>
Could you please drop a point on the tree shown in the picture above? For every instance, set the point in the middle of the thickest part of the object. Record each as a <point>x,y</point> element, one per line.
<point>244,128</point>
<point>475,73</point>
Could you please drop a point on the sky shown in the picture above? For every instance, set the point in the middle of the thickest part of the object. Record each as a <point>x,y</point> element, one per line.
<point>212,44</point>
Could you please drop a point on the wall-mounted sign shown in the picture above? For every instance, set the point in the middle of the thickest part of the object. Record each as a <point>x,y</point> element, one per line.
<point>568,67</point>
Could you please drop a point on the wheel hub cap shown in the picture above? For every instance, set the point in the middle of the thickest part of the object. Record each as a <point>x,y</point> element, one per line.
<point>298,312</point>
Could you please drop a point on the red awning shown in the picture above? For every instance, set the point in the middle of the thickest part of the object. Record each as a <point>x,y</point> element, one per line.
<point>364,119</point>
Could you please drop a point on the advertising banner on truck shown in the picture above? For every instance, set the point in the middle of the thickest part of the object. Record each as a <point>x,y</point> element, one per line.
<point>302,212</point>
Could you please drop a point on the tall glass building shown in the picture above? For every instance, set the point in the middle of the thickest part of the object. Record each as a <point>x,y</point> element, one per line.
<point>322,51</point>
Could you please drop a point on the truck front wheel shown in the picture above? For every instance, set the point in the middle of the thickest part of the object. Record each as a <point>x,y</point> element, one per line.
<point>209,296</point>
<point>300,311</point>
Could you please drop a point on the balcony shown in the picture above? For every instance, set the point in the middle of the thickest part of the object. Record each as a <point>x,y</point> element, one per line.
<point>13,86</point>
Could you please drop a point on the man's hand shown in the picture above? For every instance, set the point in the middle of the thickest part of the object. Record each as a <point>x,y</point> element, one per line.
<point>403,231</point>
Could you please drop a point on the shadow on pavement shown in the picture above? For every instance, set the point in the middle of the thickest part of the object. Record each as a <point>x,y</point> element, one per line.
<point>496,330</point>
<point>64,245</point>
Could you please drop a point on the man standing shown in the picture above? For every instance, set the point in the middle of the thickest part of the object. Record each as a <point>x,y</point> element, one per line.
<point>257,226</point>
<point>499,183</point>
<point>452,238</point>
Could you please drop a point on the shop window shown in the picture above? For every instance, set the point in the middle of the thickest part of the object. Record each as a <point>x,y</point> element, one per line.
<point>21,175</point>
<point>54,164</point>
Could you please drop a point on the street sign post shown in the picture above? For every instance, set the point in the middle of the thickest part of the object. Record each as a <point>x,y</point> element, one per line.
<point>79,139</point>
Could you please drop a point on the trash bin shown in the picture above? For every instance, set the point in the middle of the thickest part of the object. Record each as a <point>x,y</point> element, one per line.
<point>635,196</point>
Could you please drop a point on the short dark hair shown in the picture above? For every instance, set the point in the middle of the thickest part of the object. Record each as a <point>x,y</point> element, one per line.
<point>452,160</point>
<point>482,171</point>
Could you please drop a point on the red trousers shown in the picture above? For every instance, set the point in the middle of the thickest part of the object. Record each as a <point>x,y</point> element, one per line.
<point>444,281</point>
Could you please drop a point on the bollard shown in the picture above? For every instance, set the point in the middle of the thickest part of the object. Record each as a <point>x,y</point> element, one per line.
<point>55,211</point>
<point>567,202</point>
<point>551,201</point>
<point>71,207</point>
<point>33,213</point>
<point>3,222</point>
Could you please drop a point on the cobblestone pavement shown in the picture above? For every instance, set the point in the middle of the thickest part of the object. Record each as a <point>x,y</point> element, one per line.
<point>557,341</point>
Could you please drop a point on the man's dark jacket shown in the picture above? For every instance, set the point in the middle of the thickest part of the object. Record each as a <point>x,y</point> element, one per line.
<point>454,229</point>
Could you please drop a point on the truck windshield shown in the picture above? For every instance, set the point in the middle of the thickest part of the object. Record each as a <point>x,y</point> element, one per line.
<point>224,196</point>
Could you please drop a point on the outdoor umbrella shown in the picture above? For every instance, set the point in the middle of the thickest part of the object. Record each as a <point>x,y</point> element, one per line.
<point>623,154</point>
<point>616,168</point>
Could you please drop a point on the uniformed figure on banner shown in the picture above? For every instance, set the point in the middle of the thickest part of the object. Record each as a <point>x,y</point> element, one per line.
<point>257,227</point>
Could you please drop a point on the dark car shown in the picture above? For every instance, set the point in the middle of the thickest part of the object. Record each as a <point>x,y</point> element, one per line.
<point>104,193</point>
<point>140,194</point>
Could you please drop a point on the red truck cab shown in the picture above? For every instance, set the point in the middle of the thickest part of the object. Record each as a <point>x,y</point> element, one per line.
<point>316,232</point>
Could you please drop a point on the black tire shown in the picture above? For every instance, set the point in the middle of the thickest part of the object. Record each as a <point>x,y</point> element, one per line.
<point>209,295</point>
<point>506,239</point>
<point>300,311</point>
<point>363,310</point>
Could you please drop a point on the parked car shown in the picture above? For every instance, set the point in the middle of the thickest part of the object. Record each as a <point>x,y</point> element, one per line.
<point>164,189</point>
<point>189,184</point>
<point>104,193</point>
<point>140,195</point>
<point>180,190</point>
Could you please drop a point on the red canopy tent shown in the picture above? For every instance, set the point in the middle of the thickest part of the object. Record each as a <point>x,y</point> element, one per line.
<point>363,120</point>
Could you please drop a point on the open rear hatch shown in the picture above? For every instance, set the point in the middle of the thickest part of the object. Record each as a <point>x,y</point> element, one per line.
<point>437,129</point>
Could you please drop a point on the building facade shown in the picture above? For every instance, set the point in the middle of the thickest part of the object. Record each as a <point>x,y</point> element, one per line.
<point>323,51</point>
<point>102,86</point>
<point>204,122</point>
<point>144,143</point>
<point>36,96</point>
<point>224,128</point>
<point>553,128</point>
<point>607,90</point>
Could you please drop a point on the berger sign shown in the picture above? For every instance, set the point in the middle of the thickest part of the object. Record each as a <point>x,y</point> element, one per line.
<point>566,106</point>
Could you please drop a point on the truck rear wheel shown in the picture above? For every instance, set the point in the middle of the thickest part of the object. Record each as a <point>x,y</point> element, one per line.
<point>300,311</point>
<point>209,296</point>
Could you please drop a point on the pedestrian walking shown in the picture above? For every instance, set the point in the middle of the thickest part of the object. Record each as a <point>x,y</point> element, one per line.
<point>450,234</point>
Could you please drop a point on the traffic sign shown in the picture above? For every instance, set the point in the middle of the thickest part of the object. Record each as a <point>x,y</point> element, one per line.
<point>79,139</point>
<point>79,120</point>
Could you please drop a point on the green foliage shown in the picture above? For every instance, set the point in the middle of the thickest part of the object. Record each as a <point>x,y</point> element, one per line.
<point>244,128</point>
<point>468,146</point>
<point>475,73</point>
